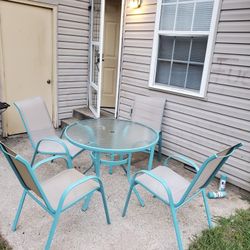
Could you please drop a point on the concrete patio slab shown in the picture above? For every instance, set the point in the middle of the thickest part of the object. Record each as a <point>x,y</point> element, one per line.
<point>148,227</point>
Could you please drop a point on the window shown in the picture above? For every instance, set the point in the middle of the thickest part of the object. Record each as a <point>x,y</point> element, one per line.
<point>182,45</point>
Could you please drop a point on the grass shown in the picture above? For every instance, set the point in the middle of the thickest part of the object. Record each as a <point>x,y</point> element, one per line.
<point>4,244</point>
<point>231,233</point>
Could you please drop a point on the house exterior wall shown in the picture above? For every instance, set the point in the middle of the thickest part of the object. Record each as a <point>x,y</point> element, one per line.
<point>73,47</point>
<point>197,127</point>
<point>72,54</point>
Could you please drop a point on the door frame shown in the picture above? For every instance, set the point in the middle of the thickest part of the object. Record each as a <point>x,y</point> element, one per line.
<point>123,3</point>
<point>3,89</point>
<point>120,49</point>
<point>96,86</point>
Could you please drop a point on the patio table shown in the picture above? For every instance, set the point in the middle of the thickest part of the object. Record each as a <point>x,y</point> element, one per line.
<point>113,136</point>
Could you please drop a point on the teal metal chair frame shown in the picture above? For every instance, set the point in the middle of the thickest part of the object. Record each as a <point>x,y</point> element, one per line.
<point>35,146</point>
<point>186,197</point>
<point>55,213</point>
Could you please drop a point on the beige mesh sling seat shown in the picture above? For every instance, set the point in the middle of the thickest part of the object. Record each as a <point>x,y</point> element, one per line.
<point>56,194</point>
<point>174,190</point>
<point>42,135</point>
<point>149,111</point>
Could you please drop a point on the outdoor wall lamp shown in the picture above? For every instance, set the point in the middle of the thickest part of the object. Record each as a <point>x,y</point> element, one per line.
<point>134,4</point>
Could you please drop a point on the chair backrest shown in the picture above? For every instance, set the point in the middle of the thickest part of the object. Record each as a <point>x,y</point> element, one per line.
<point>208,170</point>
<point>149,111</point>
<point>35,118</point>
<point>22,169</point>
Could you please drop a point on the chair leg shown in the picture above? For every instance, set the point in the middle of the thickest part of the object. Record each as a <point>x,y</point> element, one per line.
<point>86,202</point>
<point>69,161</point>
<point>176,227</point>
<point>105,204</point>
<point>92,165</point>
<point>128,199</point>
<point>19,210</point>
<point>52,230</point>
<point>159,147</point>
<point>141,201</point>
<point>209,221</point>
<point>33,158</point>
<point>111,167</point>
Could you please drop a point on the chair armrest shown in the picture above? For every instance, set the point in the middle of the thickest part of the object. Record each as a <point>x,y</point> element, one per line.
<point>160,180</point>
<point>56,140</point>
<point>182,159</point>
<point>40,163</point>
<point>74,185</point>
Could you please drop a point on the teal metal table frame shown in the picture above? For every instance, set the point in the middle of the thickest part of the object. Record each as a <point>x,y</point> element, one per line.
<point>85,134</point>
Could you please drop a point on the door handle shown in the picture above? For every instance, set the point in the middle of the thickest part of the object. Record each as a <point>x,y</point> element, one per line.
<point>48,81</point>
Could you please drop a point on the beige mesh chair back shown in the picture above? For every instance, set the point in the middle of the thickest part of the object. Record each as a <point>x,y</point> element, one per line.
<point>149,111</point>
<point>207,171</point>
<point>21,169</point>
<point>36,119</point>
<point>41,132</point>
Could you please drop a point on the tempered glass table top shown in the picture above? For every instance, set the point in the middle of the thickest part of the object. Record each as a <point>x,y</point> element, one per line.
<point>111,135</point>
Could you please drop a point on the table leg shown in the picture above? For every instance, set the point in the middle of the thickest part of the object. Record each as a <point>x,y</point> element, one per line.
<point>111,167</point>
<point>129,180</point>
<point>151,158</point>
<point>97,166</point>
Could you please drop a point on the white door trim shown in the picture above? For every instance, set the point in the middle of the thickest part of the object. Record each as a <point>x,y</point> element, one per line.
<point>54,63</point>
<point>119,57</point>
<point>98,86</point>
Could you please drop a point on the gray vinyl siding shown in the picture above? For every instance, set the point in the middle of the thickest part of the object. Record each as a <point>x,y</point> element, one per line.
<point>198,127</point>
<point>72,54</point>
<point>73,39</point>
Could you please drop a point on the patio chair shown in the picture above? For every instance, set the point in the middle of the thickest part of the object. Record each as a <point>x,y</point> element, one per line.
<point>42,135</point>
<point>54,195</point>
<point>174,191</point>
<point>149,111</point>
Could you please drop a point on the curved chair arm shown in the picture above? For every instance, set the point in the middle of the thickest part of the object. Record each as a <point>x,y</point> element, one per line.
<point>59,141</point>
<point>74,185</point>
<point>182,159</point>
<point>160,180</point>
<point>40,163</point>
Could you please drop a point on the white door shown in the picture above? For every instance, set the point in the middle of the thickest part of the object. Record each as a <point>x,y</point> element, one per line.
<point>96,55</point>
<point>110,50</point>
<point>26,43</point>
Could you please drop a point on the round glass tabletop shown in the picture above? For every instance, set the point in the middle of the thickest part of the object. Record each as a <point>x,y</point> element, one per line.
<point>111,135</point>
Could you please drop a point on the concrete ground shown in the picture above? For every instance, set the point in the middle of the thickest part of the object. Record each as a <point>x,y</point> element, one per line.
<point>148,227</point>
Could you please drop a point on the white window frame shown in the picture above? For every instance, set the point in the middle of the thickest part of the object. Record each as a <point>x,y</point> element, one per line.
<point>208,57</point>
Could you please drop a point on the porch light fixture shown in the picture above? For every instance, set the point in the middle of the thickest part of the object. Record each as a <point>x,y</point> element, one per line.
<point>134,4</point>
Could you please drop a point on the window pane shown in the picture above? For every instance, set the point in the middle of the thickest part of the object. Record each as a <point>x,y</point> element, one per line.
<point>165,47</point>
<point>182,46</point>
<point>95,64</point>
<point>178,74</point>
<point>167,17</point>
<point>194,77</point>
<point>184,16</point>
<point>162,73</point>
<point>203,16</point>
<point>198,51</point>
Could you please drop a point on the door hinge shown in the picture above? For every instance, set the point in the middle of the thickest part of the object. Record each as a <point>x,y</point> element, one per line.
<point>90,7</point>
